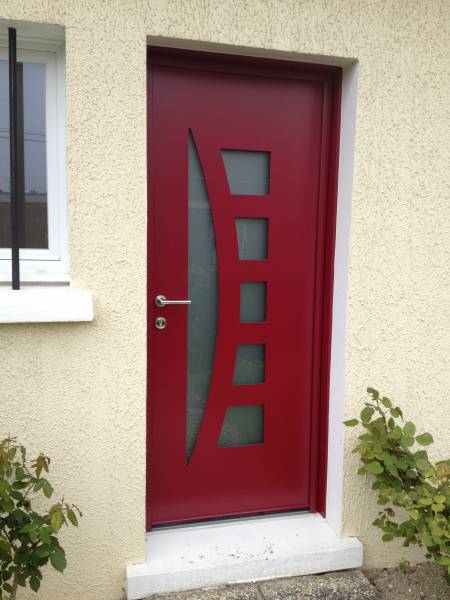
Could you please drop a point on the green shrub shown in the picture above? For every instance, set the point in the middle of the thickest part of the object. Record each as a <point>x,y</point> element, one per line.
<point>28,540</point>
<point>405,479</point>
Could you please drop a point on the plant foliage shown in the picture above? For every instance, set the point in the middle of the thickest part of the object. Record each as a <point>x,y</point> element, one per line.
<point>405,479</point>
<point>28,540</point>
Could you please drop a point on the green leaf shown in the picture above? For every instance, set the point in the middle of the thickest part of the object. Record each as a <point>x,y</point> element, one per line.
<point>439,498</point>
<point>28,527</point>
<point>414,514</point>
<point>406,442</point>
<point>426,538</point>
<point>392,469</point>
<point>425,501</point>
<point>44,534</point>
<point>367,414</point>
<point>20,485</point>
<point>395,434</point>
<point>373,392</point>
<point>425,439</point>
<point>421,454</point>
<point>57,520</point>
<point>47,489</point>
<point>386,402</point>
<point>387,537</point>
<point>374,468</point>
<point>409,429</point>
<point>423,464</point>
<point>396,412</point>
<point>58,559</point>
<point>43,551</point>
<point>72,517</point>
<point>4,546</point>
<point>35,584</point>
<point>20,473</point>
<point>17,496</point>
<point>351,422</point>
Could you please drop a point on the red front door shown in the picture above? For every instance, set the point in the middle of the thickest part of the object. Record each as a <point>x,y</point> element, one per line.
<point>241,193</point>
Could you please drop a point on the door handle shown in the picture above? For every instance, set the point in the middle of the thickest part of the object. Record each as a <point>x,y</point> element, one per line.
<point>162,301</point>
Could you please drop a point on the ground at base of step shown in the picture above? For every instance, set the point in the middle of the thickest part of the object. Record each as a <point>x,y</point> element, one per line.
<point>424,582</point>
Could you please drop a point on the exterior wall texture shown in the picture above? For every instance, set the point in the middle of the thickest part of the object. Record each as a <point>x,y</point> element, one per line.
<point>79,391</point>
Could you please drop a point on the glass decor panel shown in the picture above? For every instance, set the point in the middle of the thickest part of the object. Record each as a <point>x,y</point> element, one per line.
<point>250,364</point>
<point>242,425</point>
<point>253,302</point>
<point>248,171</point>
<point>252,237</point>
<point>33,229</point>
<point>202,320</point>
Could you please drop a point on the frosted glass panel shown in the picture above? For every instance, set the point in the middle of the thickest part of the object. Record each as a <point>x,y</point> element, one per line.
<point>250,364</point>
<point>202,321</point>
<point>242,425</point>
<point>253,302</point>
<point>248,171</point>
<point>252,238</point>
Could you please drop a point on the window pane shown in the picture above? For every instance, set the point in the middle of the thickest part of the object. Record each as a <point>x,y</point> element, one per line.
<point>202,316</point>
<point>248,171</point>
<point>253,302</point>
<point>243,425</point>
<point>5,188</point>
<point>33,227</point>
<point>250,364</point>
<point>252,238</point>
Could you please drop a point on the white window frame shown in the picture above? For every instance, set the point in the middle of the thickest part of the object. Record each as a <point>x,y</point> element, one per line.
<point>52,264</point>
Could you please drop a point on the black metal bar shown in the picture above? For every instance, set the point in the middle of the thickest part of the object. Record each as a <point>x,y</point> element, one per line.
<point>14,150</point>
<point>20,165</point>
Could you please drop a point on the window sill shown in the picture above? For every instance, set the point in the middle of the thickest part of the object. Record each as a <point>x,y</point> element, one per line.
<point>34,276</point>
<point>45,305</point>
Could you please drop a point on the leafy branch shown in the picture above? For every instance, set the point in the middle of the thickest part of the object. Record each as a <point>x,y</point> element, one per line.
<point>28,540</point>
<point>404,479</point>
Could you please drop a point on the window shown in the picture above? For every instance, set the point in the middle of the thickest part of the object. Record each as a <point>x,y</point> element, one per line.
<point>43,222</point>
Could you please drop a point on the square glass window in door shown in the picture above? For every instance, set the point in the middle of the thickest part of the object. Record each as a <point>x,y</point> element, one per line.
<point>242,426</point>
<point>253,301</point>
<point>252,236</point>
<point>248,172</point>
<point>250,365</point>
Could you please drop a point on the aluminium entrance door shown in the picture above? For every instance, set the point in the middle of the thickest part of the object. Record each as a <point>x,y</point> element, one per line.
<point>242,169</point>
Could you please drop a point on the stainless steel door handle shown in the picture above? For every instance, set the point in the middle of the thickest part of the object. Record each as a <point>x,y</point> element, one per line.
<point>162,301</point>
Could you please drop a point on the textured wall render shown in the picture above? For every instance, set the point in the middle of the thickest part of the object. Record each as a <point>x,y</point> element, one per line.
<point>78,391</point>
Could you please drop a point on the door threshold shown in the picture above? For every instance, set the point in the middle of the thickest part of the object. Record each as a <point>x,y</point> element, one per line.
<point>225,552</point>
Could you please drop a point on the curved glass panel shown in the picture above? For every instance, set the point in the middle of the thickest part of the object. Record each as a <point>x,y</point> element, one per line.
<point>202,321</point>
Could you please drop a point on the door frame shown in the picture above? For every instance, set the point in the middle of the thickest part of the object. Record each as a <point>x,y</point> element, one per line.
<point>331,78</point>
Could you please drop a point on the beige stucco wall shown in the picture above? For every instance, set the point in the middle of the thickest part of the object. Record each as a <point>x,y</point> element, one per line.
<point>78,391</point>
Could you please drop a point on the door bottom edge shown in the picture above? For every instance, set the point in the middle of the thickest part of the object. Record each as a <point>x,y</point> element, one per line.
<point>237,516</point>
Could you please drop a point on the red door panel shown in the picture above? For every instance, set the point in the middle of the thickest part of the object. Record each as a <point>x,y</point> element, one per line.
<point>290,116</point>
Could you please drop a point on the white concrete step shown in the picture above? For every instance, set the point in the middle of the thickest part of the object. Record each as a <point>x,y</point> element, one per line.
<point>210,554</point>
